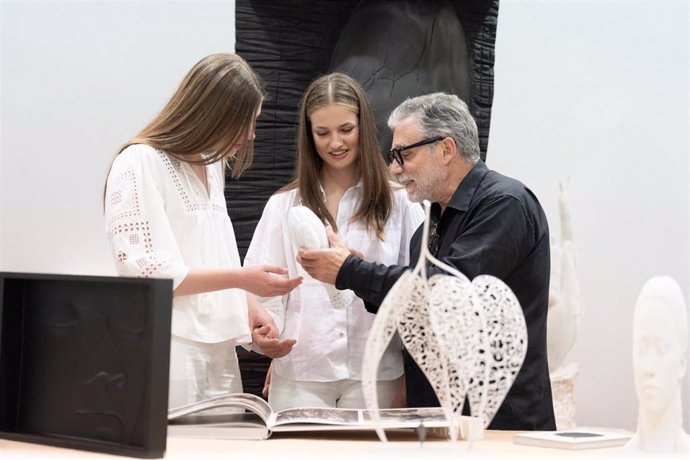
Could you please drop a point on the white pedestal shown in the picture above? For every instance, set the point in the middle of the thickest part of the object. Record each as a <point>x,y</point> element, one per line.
<point>563,389</point>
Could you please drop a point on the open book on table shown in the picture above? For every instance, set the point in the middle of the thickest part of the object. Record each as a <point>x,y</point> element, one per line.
<point>255,419</point>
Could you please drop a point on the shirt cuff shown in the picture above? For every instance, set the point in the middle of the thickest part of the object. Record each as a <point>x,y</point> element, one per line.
<point>346,279</point>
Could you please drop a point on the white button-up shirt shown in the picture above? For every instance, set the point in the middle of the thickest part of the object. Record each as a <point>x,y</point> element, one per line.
<point>330,342</point>
<point>160,222</point>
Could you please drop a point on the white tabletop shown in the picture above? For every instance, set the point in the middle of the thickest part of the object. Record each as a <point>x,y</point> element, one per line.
<point>402,444</point>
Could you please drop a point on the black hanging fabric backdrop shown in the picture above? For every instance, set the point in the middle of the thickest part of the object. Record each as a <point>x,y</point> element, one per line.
<point>395,48</point>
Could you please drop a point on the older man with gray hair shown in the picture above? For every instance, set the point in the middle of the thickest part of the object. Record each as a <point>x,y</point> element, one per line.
<point>482,223</point>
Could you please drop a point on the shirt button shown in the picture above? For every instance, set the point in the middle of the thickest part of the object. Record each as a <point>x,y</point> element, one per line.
<point>341,334</point>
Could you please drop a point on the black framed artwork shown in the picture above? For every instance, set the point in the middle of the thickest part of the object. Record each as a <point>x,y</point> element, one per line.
<point>84,362</point>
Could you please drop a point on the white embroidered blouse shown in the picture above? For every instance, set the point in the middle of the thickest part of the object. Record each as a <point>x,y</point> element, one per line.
<point>160,222</point>
<point>330,342</point>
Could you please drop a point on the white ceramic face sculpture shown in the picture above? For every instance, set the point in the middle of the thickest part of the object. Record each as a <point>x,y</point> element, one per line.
<point>660,340</point>
<point>308,232</point>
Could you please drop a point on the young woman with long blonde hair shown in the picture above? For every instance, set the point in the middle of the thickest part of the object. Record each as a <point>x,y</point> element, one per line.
<point>342,177</point>
<point>166,216</point>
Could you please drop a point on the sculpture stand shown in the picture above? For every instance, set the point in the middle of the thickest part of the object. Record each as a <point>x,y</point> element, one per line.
<point>471,429</point>
<point>563,390</point>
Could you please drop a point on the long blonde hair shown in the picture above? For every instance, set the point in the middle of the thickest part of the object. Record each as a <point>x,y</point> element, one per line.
<point>377,198</point>
<point>211,112</point>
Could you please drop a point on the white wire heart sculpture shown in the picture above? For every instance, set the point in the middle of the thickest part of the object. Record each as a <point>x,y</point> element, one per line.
<point>468,338</point>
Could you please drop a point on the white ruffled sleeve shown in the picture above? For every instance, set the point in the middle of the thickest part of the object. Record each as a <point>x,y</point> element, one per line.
<point>137,227</point>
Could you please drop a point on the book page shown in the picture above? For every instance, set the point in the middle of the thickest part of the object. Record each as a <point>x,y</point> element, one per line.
<point>233,426</point>
<point>246,401</point>
<point>408,417</point>
<point>316,415</point>
<point>361,418</point>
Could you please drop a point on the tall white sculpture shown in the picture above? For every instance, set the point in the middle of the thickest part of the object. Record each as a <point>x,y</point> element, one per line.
<point>469,338</point>
<point>660,347</point>
<point>565,313</point>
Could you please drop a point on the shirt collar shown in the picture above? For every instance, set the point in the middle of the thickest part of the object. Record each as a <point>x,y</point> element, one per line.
<point>463,194</point>
<point>358,185</point>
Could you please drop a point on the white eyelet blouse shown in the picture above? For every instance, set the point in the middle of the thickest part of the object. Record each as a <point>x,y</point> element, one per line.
<point>160,222</point>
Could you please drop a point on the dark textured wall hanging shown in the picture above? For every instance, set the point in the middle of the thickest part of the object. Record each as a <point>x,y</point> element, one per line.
<point>394,48</point>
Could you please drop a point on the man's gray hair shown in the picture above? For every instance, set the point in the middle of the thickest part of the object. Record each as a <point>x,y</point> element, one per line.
<point>441,114</point>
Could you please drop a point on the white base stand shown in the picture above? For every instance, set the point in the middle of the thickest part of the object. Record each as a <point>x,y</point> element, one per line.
<point>563,390</point>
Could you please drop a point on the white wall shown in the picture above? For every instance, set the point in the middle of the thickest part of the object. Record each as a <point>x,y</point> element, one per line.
<point>79,79</point>
<point>596,92</point>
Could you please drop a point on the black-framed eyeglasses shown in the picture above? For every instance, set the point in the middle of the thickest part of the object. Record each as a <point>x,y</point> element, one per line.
<point>396,153</point>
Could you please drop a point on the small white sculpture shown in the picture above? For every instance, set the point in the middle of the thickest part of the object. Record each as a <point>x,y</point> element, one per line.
<point>306,229</point>
<point>563,321</point>
<point>565,305</point>
<point>308,232</point>
<point>469,339</point>
<point>660,345</point>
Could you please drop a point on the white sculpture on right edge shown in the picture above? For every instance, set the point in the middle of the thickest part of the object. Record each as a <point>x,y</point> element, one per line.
<point>660,347</point>
<point>563,321</point>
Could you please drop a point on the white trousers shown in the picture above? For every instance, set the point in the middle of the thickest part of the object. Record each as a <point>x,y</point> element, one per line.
<point>286,393</point>
<point>200,371</point>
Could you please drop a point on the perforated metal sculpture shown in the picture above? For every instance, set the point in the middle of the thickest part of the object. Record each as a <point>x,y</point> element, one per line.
<point>469,338</point>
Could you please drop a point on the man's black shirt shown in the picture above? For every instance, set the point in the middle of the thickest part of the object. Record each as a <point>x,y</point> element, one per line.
<point>492,225</point>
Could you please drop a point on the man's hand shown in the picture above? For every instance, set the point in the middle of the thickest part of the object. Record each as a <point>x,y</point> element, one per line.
<point>324,264</point>
<point>265,280</point>
<point>335,242</point>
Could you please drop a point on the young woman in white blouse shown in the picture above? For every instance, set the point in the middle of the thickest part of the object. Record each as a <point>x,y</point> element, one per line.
<point>342,177</point>
<point>166,217</point>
